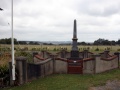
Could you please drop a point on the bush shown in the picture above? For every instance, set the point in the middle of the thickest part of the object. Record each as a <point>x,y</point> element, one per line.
<point>3,70</point>
<point>88,48</point>
<point>118,49</point>
<point>38,49</point>
<point>28,55</point>
<point>108,48</point>
<point>54,49</point>
<point>33,49</point>
<point>97,49</point>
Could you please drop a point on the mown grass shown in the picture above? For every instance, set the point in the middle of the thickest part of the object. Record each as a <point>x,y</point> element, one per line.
<point>69,81</point>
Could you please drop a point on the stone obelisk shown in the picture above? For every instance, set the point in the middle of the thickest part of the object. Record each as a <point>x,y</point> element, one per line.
<point>74,51</point>
<point>74,42</point>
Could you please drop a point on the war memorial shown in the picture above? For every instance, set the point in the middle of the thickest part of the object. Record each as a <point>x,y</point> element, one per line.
<point>45,63</point>
<point>64,62</point>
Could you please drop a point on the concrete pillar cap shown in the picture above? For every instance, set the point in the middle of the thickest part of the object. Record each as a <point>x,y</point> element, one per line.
<point>21,58</point>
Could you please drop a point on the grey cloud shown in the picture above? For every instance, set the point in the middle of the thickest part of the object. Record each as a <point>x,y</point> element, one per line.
<point>3,22</point>
<point>44,20</point>
<point>98,8</point>
<point>5,32</point>
<point>5,4</point>
<point>93,37</point>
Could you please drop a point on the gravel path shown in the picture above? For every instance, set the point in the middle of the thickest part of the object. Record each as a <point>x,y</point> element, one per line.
<point>110,85</point>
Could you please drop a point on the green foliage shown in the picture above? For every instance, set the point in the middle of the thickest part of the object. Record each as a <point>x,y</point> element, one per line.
<point>54,49</point>
<point>28,55</point>
<point>97,49</point>
<point>118,49</point>
<point>108,48</point>
<point>3,70</point>
<point>34,49</point>
<point>104,42</point>
<point>38,49</point>
<point>88,48</point>
<point>5,49</point>
<point>118,42</point>
<point>57,49</point>
<point>7,41</point>
<point>45,48</point>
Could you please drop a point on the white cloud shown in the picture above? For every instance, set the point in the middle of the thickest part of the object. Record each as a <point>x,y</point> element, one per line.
<point>52,20</point>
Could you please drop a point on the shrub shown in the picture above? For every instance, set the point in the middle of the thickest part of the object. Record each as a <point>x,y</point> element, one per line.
<point>108,48</point>
<point>3,70</point>
<point>28,55</point>
<point>97,49</point>
<point>118,49</point>
<point>88,48</point>
<point>54,49</point>
<point>33,49</point>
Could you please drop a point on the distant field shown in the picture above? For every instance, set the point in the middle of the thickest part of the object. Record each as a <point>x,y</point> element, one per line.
<point>52,47</point>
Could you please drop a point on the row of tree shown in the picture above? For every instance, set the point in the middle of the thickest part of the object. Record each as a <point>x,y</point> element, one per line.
<point>96,42</point>
<point>106,42</point>
<point>8,41</point>
<point>101,42</point>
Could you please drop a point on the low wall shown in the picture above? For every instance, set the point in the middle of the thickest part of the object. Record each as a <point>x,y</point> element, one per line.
<point>103,65</point>
<point>97,64</point>
<point>60,66</point>
<point>39,69</point>
<point>46,67</point>
<point>33,71</point>
<point>89,66</point>
<point>92,65</point>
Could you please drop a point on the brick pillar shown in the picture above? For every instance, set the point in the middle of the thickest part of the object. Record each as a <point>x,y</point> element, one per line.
<point>21,67</point>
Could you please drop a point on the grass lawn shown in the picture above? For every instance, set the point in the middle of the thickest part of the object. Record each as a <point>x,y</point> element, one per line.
<point>69,81</point>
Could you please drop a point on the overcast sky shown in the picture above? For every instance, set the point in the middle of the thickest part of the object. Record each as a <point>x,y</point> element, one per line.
<point>52,20</point>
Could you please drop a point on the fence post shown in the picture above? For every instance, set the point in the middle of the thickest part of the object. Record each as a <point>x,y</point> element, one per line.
<point>21,67</point>
<point>118,54</point>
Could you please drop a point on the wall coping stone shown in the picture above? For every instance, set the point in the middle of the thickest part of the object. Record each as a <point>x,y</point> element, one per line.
<point>43,62</point>
<point>20,58</point>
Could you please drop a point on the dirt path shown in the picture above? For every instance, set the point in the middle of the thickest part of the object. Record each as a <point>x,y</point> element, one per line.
<point>110,85</point>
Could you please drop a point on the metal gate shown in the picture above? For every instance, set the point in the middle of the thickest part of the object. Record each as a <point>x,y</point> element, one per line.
<point>75,66</point>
